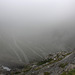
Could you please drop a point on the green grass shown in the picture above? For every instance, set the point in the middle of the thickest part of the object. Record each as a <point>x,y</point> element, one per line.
<point>72,72</point>
<point>46,73</point>
<point>37,68</point>
<point>64,73</point>
<point>26,68</point>
<point>62,65</point>
<point>17,72</point>
<point>44,61</point>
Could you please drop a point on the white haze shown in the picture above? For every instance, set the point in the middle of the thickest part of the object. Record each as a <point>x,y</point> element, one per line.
<point>31,29</point>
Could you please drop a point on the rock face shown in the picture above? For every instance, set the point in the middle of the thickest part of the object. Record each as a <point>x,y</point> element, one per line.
<point>53,64</point>
<point>4,70</point>
<point>58,67</point>
<point>70,67</point>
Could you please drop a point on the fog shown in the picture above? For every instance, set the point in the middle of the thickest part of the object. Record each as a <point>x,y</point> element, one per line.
<point>31,29</point>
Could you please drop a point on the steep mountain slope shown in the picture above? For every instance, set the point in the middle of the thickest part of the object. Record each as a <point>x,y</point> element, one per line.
<point>57,68</point>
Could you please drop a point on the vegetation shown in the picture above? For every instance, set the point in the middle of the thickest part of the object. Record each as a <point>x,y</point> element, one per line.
<point>62,65</point>
<point>26,68</point>
<point>17,72</point>
<point>46,73</point>
<point>50,61</point>
<point>44,61</point>
<point>67,54</point>
<point>37,68</point>
<point>72,72</point>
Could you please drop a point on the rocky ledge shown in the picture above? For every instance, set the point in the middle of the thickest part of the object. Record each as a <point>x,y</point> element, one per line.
<point>60,63</point>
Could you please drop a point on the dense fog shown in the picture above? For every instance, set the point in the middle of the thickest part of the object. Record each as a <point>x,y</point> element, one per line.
<point>31,29</point>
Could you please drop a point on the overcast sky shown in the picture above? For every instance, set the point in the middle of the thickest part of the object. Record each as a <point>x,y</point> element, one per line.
<point>34,17</point>
<point>36,11</point>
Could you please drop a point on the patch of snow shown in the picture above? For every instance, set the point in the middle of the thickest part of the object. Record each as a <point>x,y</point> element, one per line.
<point>6,68</point>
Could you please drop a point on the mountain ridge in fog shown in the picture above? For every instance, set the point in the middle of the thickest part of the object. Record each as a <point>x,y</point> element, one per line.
<point>30,30</point>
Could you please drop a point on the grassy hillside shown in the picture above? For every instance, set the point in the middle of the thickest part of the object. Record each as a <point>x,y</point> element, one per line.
<point>72,72</point>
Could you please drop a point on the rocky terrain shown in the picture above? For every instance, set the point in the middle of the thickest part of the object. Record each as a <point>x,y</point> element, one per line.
<point>59,63</point>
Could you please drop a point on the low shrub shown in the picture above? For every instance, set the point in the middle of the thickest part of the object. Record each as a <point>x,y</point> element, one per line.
<point>46,73</point>
<point>62,65</point>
